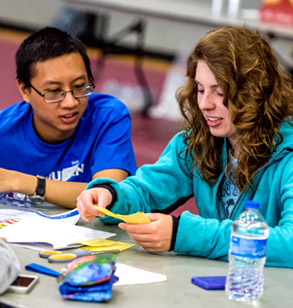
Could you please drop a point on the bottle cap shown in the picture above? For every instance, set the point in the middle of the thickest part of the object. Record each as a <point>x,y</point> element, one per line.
<point>250,204</point>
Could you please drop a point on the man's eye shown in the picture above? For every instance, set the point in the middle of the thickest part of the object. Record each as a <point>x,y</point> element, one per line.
<point>54,91</point>
<point>79,86</point>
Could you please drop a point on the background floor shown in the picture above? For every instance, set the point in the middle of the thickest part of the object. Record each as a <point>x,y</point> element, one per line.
<point>149,135</point>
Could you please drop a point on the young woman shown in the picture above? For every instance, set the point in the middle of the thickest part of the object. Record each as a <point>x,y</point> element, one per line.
<point>237,146</point>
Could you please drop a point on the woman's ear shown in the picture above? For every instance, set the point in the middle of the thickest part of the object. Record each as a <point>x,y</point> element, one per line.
<point>24,91</point>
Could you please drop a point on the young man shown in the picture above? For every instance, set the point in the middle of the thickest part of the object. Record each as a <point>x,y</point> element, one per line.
<point>61,136</point>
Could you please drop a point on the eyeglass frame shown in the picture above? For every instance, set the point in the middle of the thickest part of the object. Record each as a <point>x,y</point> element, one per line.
<point>64,93</point>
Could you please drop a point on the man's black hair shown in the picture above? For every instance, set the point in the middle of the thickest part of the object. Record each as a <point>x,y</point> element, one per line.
<point>48,43</point>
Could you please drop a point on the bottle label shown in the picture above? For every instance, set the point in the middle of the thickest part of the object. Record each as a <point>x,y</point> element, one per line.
<point>249,248</point>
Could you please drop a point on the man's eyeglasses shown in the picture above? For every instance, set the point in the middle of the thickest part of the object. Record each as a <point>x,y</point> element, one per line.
<point>59,95</point>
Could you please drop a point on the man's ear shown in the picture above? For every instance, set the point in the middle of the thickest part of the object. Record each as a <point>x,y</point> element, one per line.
<point>24,91</point>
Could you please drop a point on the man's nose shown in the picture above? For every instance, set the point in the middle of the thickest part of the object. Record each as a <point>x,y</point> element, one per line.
<point>69,100</point>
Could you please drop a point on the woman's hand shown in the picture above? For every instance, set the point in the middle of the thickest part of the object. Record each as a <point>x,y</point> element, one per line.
<point>153,237</point>
<point>88,201</point>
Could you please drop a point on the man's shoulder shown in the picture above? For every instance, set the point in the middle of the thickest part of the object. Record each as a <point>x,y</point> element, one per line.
<point>99,102</point>
<point>15,114</point>
<point>14,119</point>
<point>16,110</point>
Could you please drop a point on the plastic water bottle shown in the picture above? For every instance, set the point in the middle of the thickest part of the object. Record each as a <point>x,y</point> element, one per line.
<point>247,255</point>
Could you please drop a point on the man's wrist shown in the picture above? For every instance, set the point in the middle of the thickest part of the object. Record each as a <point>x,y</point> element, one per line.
<point>22,182</point>
<point>40,191</point>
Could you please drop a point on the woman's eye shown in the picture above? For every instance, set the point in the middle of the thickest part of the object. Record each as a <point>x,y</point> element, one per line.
<point>199,91</point>
<point>220,94</point>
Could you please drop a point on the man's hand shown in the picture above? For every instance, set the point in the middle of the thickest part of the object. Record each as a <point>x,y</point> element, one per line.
<point>10,180</point>
<point>89,199</point>
<point>153,237</point>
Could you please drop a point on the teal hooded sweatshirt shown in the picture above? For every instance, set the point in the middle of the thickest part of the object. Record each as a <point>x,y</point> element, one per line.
<point>167,184</point>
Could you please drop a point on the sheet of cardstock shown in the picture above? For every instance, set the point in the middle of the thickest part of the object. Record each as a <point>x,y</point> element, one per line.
<point>131,275</point>
<point>100,244</point>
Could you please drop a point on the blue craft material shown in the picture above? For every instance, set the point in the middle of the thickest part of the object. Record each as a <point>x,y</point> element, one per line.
<point>210,282</point>
<point>89,278</point>
<point>34,267</point>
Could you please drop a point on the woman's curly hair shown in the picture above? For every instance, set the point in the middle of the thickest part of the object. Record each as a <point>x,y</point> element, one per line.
<point>258,92</point>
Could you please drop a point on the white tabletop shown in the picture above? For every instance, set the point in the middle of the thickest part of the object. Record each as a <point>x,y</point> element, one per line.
<point>177,291</point>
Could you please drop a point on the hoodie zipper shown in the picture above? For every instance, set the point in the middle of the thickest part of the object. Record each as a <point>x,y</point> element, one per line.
<point>219,182</point>
<point>270,161</point>
<point>264,166</point>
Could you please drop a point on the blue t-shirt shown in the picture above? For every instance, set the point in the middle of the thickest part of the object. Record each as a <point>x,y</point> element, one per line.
<point>102,140</point>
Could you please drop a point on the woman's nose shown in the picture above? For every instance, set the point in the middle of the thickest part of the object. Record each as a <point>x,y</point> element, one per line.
<point>206,101</point>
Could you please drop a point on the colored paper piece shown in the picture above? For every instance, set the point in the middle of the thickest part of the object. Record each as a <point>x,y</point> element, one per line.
<point>100,244</point>
<point>136,218</point>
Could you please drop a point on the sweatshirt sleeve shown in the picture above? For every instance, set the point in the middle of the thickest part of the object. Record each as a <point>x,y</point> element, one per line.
<point>160,187</point>
<point>205,237</point>
<point>210,238</point>
<point>9,266</point>
<point>280,241</point>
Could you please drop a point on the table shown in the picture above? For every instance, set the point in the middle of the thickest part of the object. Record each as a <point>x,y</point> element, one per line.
<point>177,291</point>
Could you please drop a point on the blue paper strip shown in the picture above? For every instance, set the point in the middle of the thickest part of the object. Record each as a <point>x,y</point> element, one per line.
<point>42,269</point>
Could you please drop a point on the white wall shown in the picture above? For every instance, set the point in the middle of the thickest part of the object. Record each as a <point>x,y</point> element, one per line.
<point>161,35</point>
<point>29,13</point>
<point>34,14</point>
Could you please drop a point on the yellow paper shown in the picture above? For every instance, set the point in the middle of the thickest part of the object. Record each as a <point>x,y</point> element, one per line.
<point>100,244</point>
<point>136,218</point>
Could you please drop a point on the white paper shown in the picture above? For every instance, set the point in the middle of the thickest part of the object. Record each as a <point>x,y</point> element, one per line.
<point>42,233</point>
<point>131,275</point>
<point>17,214</point>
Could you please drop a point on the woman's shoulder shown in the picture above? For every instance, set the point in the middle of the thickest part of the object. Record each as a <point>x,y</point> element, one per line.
<point>286,140</point>
<point>286,129</point>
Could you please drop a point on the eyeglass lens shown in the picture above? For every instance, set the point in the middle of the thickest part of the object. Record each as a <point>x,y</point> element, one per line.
<point>60,95</point>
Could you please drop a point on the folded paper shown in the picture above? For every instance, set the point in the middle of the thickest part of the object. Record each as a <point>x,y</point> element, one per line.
<point>100,244</point>
<point>136,218</point>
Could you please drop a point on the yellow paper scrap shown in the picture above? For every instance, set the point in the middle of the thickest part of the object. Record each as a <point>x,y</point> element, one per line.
<point>100,244</point>
<point>136,218</point>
